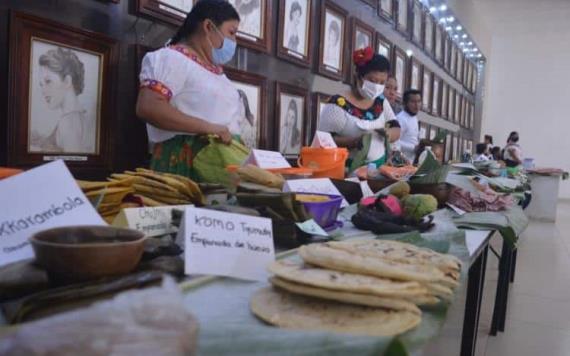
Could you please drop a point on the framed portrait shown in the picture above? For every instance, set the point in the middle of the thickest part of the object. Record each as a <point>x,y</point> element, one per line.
<point>384,47</point>
<point>418,23</point>
<point>171,12</point>
<point>448,148</point>
<point>453,60</point>
<point>428,33</point>
<point>458,105</point>
<point>255,30</point>
<point>472,116</point>
<point>292,107</point>
<point>294,35</point>
<point>459,74</point>
<point>333,36</point>
<point>444,100</point>
<point>61,94</point>
<point>475,78</point>
<point>455,148</point>
<point>438,44</point>
<point>424,130</point>
<point>462,112</point>
<point>415,75</point>
<point>402,16</point>
<point>361,36</point>
<point>426,90</point>
<point>400,66</point>
<point>252,90</point>
<point>432,132</point>
<point>446,52</point>
<point>318,102</point>
<point>436,96</point>
<point>468,85</point>
<point>386,9</point>
<point>451,104</point>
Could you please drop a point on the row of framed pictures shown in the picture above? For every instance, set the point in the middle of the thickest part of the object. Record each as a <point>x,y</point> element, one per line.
<point>455,145</point>
<point>414,21</point>
<point>295,39</point>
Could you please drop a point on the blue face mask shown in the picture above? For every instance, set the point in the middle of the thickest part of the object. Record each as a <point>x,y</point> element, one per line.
<point>224,54</point>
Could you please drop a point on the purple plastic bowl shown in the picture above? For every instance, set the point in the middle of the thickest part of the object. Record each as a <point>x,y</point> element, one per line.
<point>324,213</point>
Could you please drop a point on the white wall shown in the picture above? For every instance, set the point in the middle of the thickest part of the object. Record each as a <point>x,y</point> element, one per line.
<point>528,78</point>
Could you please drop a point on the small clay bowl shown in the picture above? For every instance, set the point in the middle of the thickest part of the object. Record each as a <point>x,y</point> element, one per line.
<point>83,253</point>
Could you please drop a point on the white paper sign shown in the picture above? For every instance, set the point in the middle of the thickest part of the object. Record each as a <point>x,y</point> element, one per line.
<point>267,159</point>
<point>323,140</point>
<point>313,185</point>
<point>39,199</point>
<point>226,244</point>
<point>153,221</point>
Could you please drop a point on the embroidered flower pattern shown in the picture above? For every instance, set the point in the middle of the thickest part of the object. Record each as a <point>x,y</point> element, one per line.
<point>212,68</point>
<point>370,114</point>
<point>157,87</point>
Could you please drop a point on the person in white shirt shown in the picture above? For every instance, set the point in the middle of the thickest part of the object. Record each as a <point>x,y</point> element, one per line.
<point>410,131</point>
<point>512,153</point>
<point>482,153</point>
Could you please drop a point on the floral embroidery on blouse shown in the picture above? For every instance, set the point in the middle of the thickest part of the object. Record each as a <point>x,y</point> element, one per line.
<point>212,68</point>
<point>157,87</point>
<point>370,114</point>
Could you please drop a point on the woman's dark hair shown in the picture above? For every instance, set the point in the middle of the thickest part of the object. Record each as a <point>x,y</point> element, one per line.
<point>489,138</point>
<point>496,152</point>
<point>64,62</point>
<point>295,135</point>
<point>481,148</point>
<point>245,101</point>
<point>513,137</point>
<point>378,63</point>
<point>218,11</point>
<point>295,7</point>
<point>408,93</point>
<point>393,124</point>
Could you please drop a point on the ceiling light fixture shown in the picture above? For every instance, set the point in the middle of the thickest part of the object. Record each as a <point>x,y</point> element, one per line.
<point>459,28</point>
<point>432,9</point>
<point>449,28</point>
<point>443,7</point>
<point>450,19</point>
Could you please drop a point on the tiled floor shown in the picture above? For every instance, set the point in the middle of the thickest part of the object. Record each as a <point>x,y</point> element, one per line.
<point>538,318</point>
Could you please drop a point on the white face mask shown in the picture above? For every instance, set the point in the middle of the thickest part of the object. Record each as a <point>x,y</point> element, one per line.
<point>370,90</point>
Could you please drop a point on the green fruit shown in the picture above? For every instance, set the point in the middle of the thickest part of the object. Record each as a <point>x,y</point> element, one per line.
<point>400,189</point>
<point>419,205</point>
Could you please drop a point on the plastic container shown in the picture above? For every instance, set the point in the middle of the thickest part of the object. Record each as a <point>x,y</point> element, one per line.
<point>528,163</point>
<point>325,212</point>
<point>324,162</point>
<point>372,171</point>
<point>427,151</point>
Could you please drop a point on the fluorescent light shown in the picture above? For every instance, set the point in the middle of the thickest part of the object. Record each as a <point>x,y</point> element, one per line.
<point>475,50</point>
<point>464,36</point>
<point>455,36</point>
<point>459,28</point>
<point>462,43</point>
<point>479,55</point>
<point>470,43</point>
<point>409,52</point>
<point>443,7</point>
<point>449,28</point>
<point>432,9</point>
<point>450,19</point>
<point>442,20</point>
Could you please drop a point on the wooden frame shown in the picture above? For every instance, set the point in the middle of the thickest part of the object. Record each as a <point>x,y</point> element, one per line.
<point>451,105</point>
<point>416,68</point>
<point>161,11</point>
<point>400,57</point>
<point>402,25</point>
<point>296,93</point>
<point>429,32</point>
<point>460,63</point>
<point>242,78</point>
<point>432,132</point>
<point>423,130</point>
<point>458,104</point>
<point>453,60</point>
<point>317,100</point>
<point>418,11</point>
<point>438,33</point>
<point>455,148</point>
<point>426,90</point>
<point>372,3</point>
<point>31,142</point>
<point>444,100</point>
<point>436,95</point>
<point>475,78</point>
<point>283,52</point>
<point>383,44</point>
<point>472,116</point>
<point>446,52</point>
<point>386,10</point>
<point>326,66</point>
<point>263,42</point>
<point>358,27</point>
<point>448,148</point>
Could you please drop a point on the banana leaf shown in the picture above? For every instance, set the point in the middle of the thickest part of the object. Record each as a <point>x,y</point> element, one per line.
<point>211,162</point>
<point>431,172</point>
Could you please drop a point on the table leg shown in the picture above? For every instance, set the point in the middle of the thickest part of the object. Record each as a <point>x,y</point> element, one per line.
<point>475,284</point>
<point>506,286</point>
<point>514,265</point>
<point>500,308</point>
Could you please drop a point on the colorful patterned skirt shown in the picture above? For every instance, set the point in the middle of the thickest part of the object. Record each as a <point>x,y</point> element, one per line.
<point>176,155</point>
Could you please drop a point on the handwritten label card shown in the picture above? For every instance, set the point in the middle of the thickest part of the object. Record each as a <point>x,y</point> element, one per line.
<point>27,206</point>
<point>267,159</point>
<point>153,221</point>
<point>313,185</point>
<point>226,244</point>
<point>323,140</point>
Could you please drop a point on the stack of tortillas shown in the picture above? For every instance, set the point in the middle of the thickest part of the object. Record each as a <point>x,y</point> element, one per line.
<point>364,287</point>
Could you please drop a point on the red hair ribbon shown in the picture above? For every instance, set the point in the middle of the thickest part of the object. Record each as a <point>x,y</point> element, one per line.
<point>363,56</point>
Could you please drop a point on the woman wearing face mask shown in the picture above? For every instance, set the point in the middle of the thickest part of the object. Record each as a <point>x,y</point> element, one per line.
<point>356,119</point>
<point>184,92</point>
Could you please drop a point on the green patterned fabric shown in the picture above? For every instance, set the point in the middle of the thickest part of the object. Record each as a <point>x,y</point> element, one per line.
<point>176,155</point>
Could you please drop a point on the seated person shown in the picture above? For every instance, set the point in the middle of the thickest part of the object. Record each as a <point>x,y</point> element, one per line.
<point>395,156</point>
<point>357,118</point>
<point>481,152</point>
<point>496,153</point>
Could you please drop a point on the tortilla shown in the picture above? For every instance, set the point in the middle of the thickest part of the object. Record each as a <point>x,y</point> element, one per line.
<point>299,272</point>
<point>325,256</point>
<point>304,313</point>
<point>345,297</point>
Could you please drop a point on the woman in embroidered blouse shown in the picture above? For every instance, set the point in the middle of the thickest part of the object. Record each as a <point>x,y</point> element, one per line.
<point>361,112</point>
<point>184,92</point>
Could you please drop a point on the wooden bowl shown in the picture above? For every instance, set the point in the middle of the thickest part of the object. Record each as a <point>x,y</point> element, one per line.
<point>440,191</point>
<point>82,253</point>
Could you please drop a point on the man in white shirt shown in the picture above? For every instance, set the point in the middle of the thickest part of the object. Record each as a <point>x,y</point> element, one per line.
<point>410,131</point>
<point>482,152</point>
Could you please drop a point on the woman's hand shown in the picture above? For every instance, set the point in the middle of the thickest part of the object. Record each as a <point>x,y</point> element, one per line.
<point>222,132</point>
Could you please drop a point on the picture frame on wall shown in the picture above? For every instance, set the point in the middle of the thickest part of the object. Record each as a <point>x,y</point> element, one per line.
<point>255,30</point>
<point>372,3</point>
<point>402,16</point>
<point>453,60</point>
<point>455,148</point>
<point>472,116</point>
<point>428,33</point>
<point>61,94</point>
<point>400,69</point>
<point>436,96</point>
<point>361,36</point>
<point>424,130</point>
<point>384,47</point>
<point>418,23</point>
<point>446,52</point>
<point>291,104</point>
<point>432,132</point>
<point>252,90</point>
<point>294,40</point>
<point>386,9</point>
<point>448,147</point>
<point>171,12</point>
<point>451,104</point>
<point>332,57</point>
<point>318,100</point>
<point>444,100</point>
<point>426,90</point>
<point>438,44</point>
<point>474,80</point>
<point>458,105</point>
<point>462,112</point>
<point>415,74</point>
<point>459,73</point>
